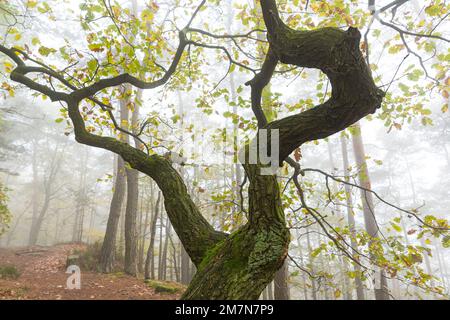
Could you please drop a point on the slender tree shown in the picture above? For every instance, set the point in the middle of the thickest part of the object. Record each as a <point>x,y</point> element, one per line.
<point>370,221</point>
<point>351,217</point>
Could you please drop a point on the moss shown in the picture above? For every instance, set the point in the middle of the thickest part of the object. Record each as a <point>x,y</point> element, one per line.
<point>9,272</point>
<point>165,287</point>
<point>119,274</point>
<point>234,249</point>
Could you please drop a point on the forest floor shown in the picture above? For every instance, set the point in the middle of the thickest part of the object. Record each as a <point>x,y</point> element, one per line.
<point>42,277</point>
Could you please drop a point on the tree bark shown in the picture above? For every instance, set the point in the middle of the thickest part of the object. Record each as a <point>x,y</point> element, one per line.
<point>31,239</point>
<point>48,181</point>
<point>164,256</point>
<point>281,286</point>
<point>108,251</point>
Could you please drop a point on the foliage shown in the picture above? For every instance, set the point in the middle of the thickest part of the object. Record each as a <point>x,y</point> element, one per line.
<point>165,287</point>
<point>5,214</point>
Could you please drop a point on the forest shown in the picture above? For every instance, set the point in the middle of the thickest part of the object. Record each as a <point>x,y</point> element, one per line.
<point>224,150</point>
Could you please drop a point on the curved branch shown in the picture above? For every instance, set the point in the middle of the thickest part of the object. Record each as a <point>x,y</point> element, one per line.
<point>138,83</point>
<point>408,212</point>
<point>336,53</point>
<point>258,84</point>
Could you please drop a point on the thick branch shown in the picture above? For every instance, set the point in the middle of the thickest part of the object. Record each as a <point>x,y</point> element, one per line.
<point>258,83</point>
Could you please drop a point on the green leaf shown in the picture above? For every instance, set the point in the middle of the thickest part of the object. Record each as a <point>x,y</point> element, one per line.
<point>446,241</point>
<point>45,51</point>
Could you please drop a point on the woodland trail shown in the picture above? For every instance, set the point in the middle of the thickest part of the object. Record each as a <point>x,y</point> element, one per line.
<point>43,277</point>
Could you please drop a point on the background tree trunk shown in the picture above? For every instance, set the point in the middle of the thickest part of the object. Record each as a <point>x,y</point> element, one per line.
<point>351,218</point>
<point>281,286</point>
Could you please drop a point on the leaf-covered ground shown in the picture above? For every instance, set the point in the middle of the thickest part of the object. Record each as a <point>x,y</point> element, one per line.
<point>42,276</point>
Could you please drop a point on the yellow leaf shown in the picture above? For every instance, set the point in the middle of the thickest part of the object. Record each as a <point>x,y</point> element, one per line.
<point>337,293</point>
<point>31,3</point>
<point>445,94</point>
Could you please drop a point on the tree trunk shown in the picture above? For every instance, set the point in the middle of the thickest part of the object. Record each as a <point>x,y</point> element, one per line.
<point>80,199</point>
<point>149,270</point>
<point>242,264</point>
<point>144,227</point>
<point>130,265</point>
<point>48,181</point>
<point>132,194</point>
<point>32,237</point>
<point>381,288</point>
<point>351,219</point>
<point>34,234</point>
<point>281,287</point>
<point>311,267</point>
<point>161,243</point>
<point>185,266</point>
<point>108,251</point>
<point>164,257</point>
<point>176,269</point>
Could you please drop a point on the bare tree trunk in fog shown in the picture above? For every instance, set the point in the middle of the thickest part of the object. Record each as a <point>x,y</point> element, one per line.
<point>342,265</point>
<point>149,270</point>
<point>108,251</point>
<point>281,286</point>
<point>270,291</point>
<point>35,204</point>
<point>160,251</point>
<point>130,266</point>
<point>381,288</point>
<point>442,266</point>
<point>17,221</point>
<point>49,179</point>
<point>304,276</point>
<point>144,227</point>
<point>351,218</point>
<point>165,249</point>
<point>185,264</point>
<point>311,267</point>
<point>80,199</point>
<point>132,193</point>
<point>264,293</point>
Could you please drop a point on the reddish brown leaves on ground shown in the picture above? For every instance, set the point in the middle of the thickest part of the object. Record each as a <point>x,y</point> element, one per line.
<point>43,277</point>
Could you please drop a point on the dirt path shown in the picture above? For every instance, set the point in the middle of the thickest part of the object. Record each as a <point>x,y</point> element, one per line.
<point>42,276</point>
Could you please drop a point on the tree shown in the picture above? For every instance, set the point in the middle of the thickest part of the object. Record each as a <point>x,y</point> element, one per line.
<point>149,272</point>
<point>351,217</point>
<point>370,221</point>
<point>239,265</point>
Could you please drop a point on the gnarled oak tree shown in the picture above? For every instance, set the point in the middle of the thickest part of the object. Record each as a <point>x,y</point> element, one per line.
<point>238,265</point>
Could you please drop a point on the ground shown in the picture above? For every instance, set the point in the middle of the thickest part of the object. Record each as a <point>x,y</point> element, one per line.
<point>43,277</point>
